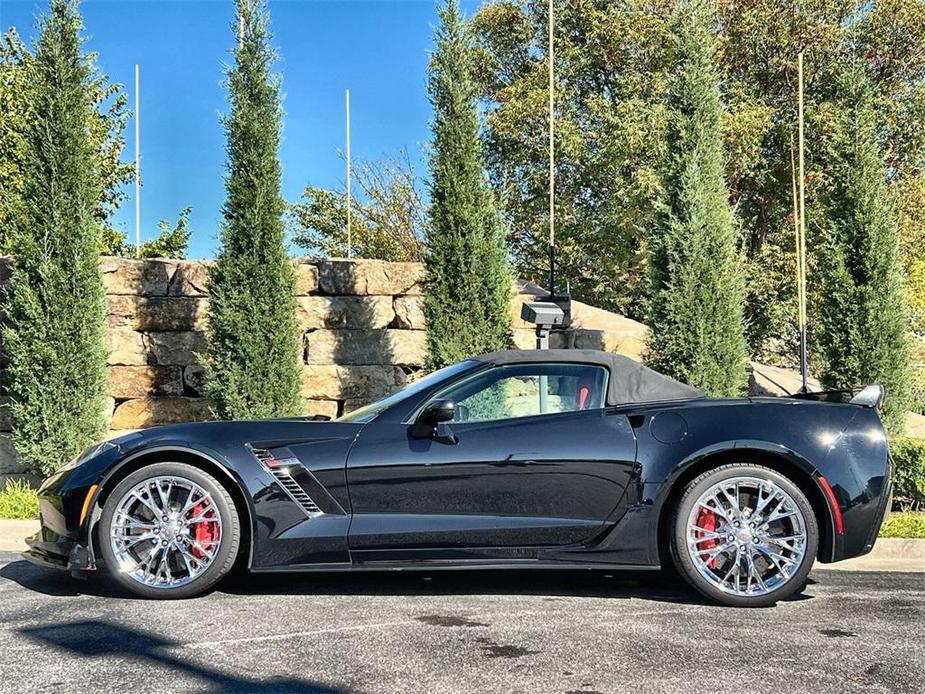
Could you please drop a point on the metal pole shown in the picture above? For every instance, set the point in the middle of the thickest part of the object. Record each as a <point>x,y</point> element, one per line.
<point>796,233</point>
<point>242,8</point>
<point>542,342</point>
<point>552,158</point>
<point>349,230</point>
<point>802,249</point>
<point>137,166</point>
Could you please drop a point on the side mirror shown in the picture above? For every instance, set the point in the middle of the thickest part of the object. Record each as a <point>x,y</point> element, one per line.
<point>432,416</point>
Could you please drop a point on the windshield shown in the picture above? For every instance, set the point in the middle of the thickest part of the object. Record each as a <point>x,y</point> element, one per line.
<point>368,413</point>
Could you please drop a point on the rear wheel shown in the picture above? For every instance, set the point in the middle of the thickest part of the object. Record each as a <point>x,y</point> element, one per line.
<point>744,535</point>
<point>169,530</point>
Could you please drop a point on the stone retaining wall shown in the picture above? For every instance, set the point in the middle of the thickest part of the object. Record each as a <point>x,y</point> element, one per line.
<point>362,327</point>
<point>361,322</point>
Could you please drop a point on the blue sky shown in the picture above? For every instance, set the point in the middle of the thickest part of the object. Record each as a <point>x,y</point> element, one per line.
<point>376,48</point>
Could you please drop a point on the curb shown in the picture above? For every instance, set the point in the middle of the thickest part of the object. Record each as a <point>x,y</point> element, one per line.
<point>899,548</point>
<point>889,554</point>
<point>13,534</point>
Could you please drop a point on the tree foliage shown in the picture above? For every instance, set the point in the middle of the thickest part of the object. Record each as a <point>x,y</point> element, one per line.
<point>388,217</point>
<point>18,82</point>
<point>252,367</point>
<point>171,240</point>
<point>697,288</point>
<point>53,333</point>
<point>468,281</point>
<point>862,331</point>
<point>610,124</point>
<point>611,60</point>
<point>910,196</point>
<point>16,67</point>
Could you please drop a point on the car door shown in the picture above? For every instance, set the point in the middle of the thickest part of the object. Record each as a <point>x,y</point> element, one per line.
<point>534,459</point>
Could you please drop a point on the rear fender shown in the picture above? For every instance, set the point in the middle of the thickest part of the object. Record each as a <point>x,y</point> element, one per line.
<point>780,457</point>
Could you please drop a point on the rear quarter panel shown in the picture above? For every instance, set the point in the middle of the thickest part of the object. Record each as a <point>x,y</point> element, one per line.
<point>843,443</point>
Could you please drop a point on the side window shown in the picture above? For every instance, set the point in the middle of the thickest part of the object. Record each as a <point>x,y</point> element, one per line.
<point>529,389</point>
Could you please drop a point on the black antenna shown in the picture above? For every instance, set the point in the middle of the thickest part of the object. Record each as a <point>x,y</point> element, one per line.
<point>552,156</point>
<point>801,230</point>
<point>552,270</point>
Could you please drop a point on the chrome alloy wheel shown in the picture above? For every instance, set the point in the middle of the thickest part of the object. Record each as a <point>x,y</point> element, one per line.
<point>746,536</point>
<point>165,532</point>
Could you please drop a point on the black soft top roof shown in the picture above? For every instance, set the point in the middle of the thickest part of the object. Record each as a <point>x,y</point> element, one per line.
<point>630,382</point>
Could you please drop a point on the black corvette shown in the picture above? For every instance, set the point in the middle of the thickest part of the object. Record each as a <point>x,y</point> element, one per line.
<point>548,459</point>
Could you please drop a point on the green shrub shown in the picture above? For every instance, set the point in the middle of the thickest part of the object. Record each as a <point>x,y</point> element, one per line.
<point>697,285</point>
<point>906,524</point>
<point>19,501</point>
<point>468,285</point>
<point>55,305</point>
<point>252,359</point>
<point>909,469</point>
<point>863,328</point>
<point>918,390</point>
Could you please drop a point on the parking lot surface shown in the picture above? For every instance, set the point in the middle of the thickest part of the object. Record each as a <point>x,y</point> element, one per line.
<point>459,632</point>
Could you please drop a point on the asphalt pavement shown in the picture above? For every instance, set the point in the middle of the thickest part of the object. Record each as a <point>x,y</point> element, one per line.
<point>490,631</point>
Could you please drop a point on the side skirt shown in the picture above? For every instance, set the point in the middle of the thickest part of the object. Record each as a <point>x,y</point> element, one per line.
<point>457,566</point>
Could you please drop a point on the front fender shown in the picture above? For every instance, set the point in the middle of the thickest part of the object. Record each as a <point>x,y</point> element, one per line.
<point>183,451</point>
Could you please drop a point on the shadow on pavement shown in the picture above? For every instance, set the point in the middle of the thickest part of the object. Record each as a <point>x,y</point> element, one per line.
<point>551,584</point>
<point>59,583</point>
<point>104,640</point>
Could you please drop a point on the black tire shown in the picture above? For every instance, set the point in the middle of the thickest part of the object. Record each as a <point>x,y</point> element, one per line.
<point>229,541</point>
<point>685,564</point>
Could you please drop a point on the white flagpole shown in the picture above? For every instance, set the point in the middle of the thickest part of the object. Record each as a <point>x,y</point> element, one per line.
<point>137,165</point>
<point>349,230</point>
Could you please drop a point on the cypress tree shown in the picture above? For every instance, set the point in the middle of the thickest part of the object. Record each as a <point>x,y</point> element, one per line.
<point>468,280</point>
<point>863,329</point>
<point>55,306</point>
<point>252,367</point>
<point>696,294</point>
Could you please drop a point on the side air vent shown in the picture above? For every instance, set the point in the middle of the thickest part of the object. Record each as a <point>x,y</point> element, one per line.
<point>263,455</point>
<point>296,492</point>
<point>279,468</point>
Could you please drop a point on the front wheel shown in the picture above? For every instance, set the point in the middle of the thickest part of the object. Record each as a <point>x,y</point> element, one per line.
<point>744,535</point>
<point>169,530</point>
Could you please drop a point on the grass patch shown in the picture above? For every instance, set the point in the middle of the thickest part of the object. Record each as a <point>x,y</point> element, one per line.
<point>904,524</point>
<point>19,501</point>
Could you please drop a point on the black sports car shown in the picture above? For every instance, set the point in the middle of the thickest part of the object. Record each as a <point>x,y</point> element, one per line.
<point>548,459</point>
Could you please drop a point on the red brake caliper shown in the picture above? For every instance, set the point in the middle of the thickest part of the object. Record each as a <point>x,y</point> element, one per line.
<point>707,520</point>
<point>205,532</point>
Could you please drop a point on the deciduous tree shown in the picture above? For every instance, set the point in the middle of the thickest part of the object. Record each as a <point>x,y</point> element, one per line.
<point>611,62</point>
<point>171,240</point>
<point>388,217</point>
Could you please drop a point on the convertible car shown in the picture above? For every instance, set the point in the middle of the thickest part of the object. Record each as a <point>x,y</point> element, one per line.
<point>548,459</point>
